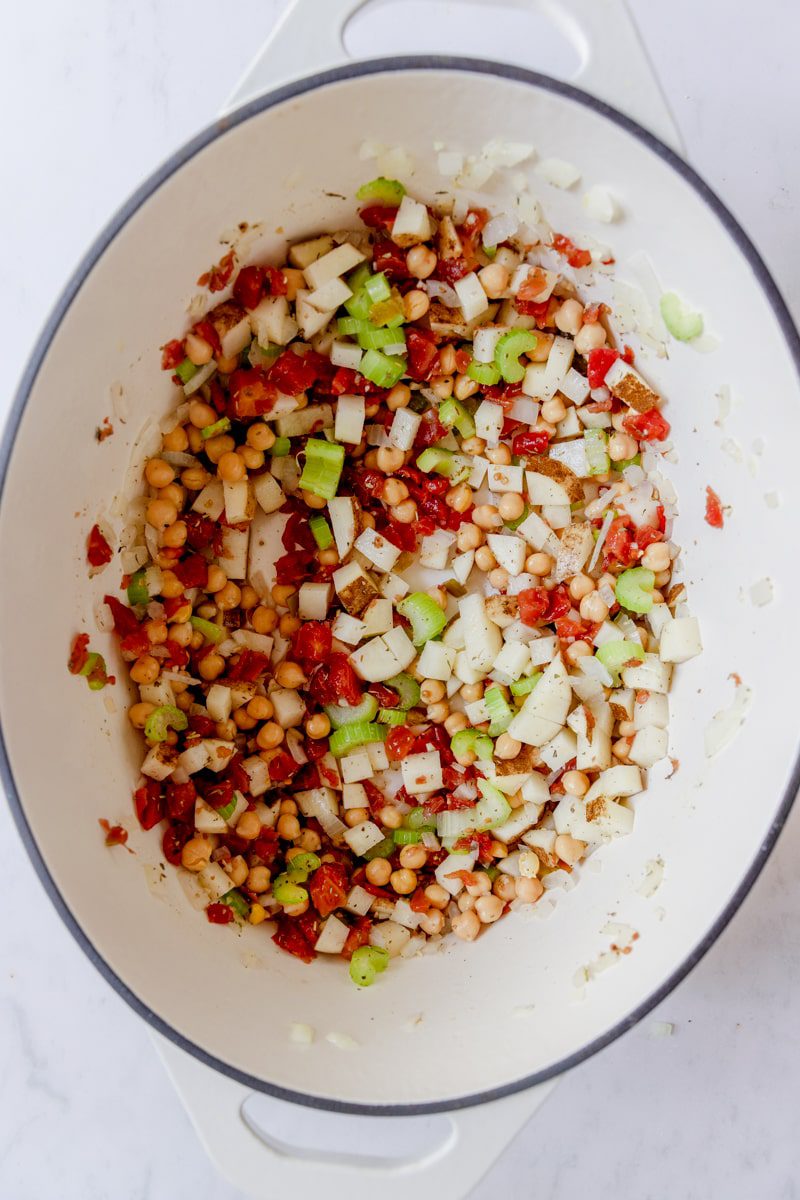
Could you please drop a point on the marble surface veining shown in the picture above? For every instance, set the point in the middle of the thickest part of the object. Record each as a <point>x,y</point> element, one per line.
<point>92,96</point>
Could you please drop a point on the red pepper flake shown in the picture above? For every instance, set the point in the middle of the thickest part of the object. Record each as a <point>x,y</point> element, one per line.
<point>219,276</point>
<point>714,514</point>
<point>98,551</point>
<point>104,430</point>
<point>116,835</point>
<point>78,653</point>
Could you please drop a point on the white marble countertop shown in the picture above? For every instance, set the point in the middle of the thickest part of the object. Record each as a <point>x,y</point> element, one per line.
<point>93,96</point>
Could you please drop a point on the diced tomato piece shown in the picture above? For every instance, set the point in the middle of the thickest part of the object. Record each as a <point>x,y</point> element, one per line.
<point>277,284</point>
<point>219,914</point>
<point>598,362</point>
<point>252,393</point>
<point>312,641</point>
<point>205,330</point>
<point>202,533</point>
<point>538,309</point>
<point>135,644</point>
<point>201,724</point>
<point>399,742</point>
<point>648,426</point>
<point>358,936</point>
<point>289,936</point>
<point>335,682</point>
<point>574,256</point>
<point>98,551</point>
<point>148,803</point>
<point>618,546</point>
<point>401,536</point>
<point>249,665</point>
<point>430,432</point>
<point>297,565</point>
<point>469,231</point>
<point>484,843</point>
<point>192,571</point>
<point>249,286</point>
<point>533,604</point>
<point>267,846</point>
<point>423,353</point>
<point>646,535</point>
<point>327,888</point>
<point>78,654</point>
<point>178,655</point>
<point>180,800</point>
<point>375,797</point>
<point>388,258</point>
<point>219,276</point>
<point>535,442</point>
<point>282,767</point>
<point>173,605</point>
<point>715,516</point>
<point>125,620</point>
<point>593,312</point>
<point>450,270</point>
<point>386,697</point>
<point>627,353</point>
<point>292,373</point>
<point>574,631</point>
<point>116,835</point>
<point>171,354</point>
<point>379,216</point>
<point>219,794</point>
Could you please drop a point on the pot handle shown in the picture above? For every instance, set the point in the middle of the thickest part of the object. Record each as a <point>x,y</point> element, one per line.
<point>263,1167</point>
<point>614,64</point>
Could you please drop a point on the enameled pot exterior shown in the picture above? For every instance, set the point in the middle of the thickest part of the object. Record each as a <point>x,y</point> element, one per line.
<point>280,164</point>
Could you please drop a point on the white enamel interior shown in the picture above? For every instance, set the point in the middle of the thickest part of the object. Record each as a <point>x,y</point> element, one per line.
<point>233,994</point>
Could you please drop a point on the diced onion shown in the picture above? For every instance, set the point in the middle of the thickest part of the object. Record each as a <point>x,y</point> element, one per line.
<point>500,229</point>
<point>608,521</point>
<point>438,290</point>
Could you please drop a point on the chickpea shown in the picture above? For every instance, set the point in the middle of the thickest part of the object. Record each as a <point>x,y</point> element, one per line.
<point>499,578</point>
<point>467,926</point>
<point>228,597</point>
<point>313,501</point>
<point>195,478</point>
<point>481,887</point>
<point>593,608</point>
<point>228,364</point>
<point>486,516</point>
<point>390,459</point>
<point>379,872</point>
<point>264,619</point>
<point>216,447</point>
<point>226,730</point>
<point>484,559</point>
<point>507,746</point>
<point>198,350</point>
<point>459,498</point>
<point>438,713</point>
<point>288,625</point>
<point>261,708</point>
<point>252,459</point>
<point>489,908</point>
<point>575,783</point>
<point>421,262</point>
<point>354,816</point>
<point>269,736</point>
<point>553,411</point>
<point>211,666</point>
<point>415,304</point>
<point>175,535</point>
<point>455,723</point>
<point>309,840</point>
<point>249,597</point>
<point>529,890</point>
<point>473,445</point>
<point>196,854</point>
<point>176,440</point>
<point>398,397</point>
<point>403,881</point>
<point>464,387</point>
<point>158,473</point>
<point>621,749</point>
<point>260,436</point>
<point>432,922</point>
<point>540,564</point>
<point>504,887</point>
<point>156,632</point>
<point>431,690</point>
<point>469,536</point>
<point>161,513</point>
<point>569,317</point>
<point>580,586</point>
<point>405,513</point>
<point>237,869</point>
<point>145,670</point>
<point>201,415</point>
<point>281,593</point>
<point>138,713</point>
<point>494,280</point>
<point>621,446</point>
<point>318,726</point>
<point>590,337</point>
<point>258,879</point>
<point>499,456</point>
<point>288,808</point>
<point>288,828</point>
<point>447,360</point>
<point>626,728</point>
<point>413,857</point>
<point>569,849</point>
<point>290,675</point>
<point>389,817</point>
<point>394,492</point>
<point>579,649</point>
<point>442,386</point>
<point>656,558</point>
<point>194,439</point>
<point>437,896</point>
<point>242,720</point>
<point>217,579</point>
<point>511,506</point>
<point>471,692</point>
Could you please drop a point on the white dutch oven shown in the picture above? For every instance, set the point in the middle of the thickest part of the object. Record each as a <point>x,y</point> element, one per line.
<point>226,999</point>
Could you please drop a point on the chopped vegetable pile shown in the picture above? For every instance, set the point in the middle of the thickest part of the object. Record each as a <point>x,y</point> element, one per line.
<point>402,624</point>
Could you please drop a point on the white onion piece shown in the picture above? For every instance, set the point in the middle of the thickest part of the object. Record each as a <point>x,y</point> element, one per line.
<point>608,520</point>
<point>177,458</point>
<point>558,172</point>
<point>725,724</point>
<point>151,540</point>
<point>500,229</point>
<point>600,205</point>
<point>438,290</point>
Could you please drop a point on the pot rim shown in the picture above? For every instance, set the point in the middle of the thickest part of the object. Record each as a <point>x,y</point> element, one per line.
<point>173,163</point>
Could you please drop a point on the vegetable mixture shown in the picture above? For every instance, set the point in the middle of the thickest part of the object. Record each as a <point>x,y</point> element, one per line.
<point>402,625</point>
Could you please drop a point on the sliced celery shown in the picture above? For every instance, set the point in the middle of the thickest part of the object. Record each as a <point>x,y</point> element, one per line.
<point>407,689</point>
<point>220,426</point>
<point>493,809</point>
<point>487,374</point>
<point>323,467</point>
<point>392,716</point>
<point>682,323</point>
<point>382,369</point>
<point>235,900</point>
<point>341,715</point>
<point>501,713</point>
<point>165,717</point>
<point>615,655</point>
<point>595,442</point>
<point>137,588</point>
<point>350,737</point>
<point>453,415</point>
<point>210,631</point>
<point>508,350</point>
<point>366,963</point>
<point>634,589</point>
<point>522,687</point>
<point>321,531</point>
<point>382,191</point>
<point>472,741</point>
<point>280,447</point>
<point>377,288</point>
<point>427,619</point>
<point>185,370</point>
